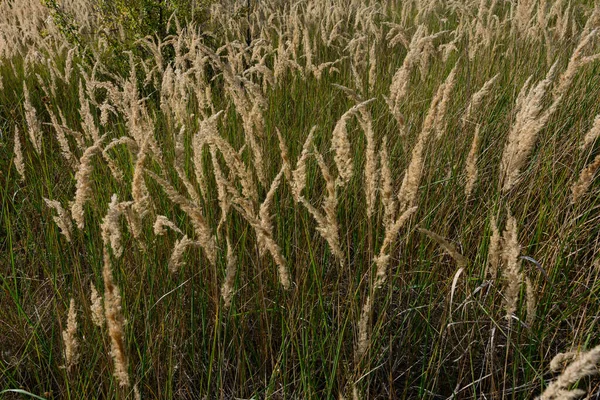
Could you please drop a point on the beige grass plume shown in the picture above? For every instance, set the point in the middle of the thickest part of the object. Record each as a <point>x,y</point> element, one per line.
<point>471,165</point>
<point>523,134</point>
<point>194,212</point>
<point>96,307</point>
<point>327,224</point>
<point>478,97</point>
<point>299,174</point>
<point>371,175</point>
<point>115,323</point>
<point>494,250</point>
<point>62,219</point>
<point>592,134</point>
<point>19,161</point>
<point>386,185</point>
<point>70,338</point>
<point>228,284</point>
<point>34,127</point>
<point>584,365</point>
<point>340,144</point>
<point>512,265</point>
<point>176,260</point>
<point>84,182</point>
<point>162,223</point>
<point>580,188</point>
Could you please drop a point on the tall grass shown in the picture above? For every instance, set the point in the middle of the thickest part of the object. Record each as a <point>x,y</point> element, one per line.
<point>373,199</point>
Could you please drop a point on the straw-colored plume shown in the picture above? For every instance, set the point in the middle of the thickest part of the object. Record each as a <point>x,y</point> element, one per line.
<point>340,144</point>
<point>494,250</point>
<point>19,160</point>
<point>96,307</point>
<point>299,174</point>
<point>386,185</point>
<point>512,265</point>
<point>580,188</point>
<point>84,182</point>
<point>584,365</point>
<point>162,223</point>
<point>34,126</point>
<point>228,284</point>
<point>327,224</point>
<point>442,107</point>
<point>285,157</point>
<point>176,260</point>
<point>115,323</point>
<point>592,134</point>
<point>478,98</point>
<point>523,134</point>
<point>70,340</point>
<point>62,219</point>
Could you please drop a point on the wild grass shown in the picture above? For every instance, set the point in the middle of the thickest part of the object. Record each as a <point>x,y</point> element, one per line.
<point>310,199</point>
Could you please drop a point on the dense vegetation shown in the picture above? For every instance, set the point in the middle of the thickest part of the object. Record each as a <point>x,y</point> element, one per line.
<point>308,199</point>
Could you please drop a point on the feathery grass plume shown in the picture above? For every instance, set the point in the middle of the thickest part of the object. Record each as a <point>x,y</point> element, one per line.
<point>471,165</point>
<point>228,284</point>
<point>96,307</point>
<point>561,359</point>
<point>531,301</point>
<point>139,191</point>
<point>114,169</point>
<point>62,138</point>
<point>401,79</point>
<point>264,213</point>
<point>285,157</point>
<point>179,164</point>
<point>494,250</point>
<point>62,220</point>
<point>34,127</point>
<point>89,126</point>
<point>372,66</point>
<point>70,338</point>
<point>222,188</point>
<point>115,322</point>
<point>299,174</point>
<point>371,173</point>
<point>176,260</point>
<point>340,144</point>
<point>584,365</point>
<point>523,134</point>
<point>407,194</point>
<point>383,258</point>
<point>363,330</point>
<point>208,127</point>
<point>269,242</point>
<point>162,223</point>
<point>442,107</point>
<point>83,189</point>
<point>580,188</point>
<point>19,161</point>
<point>386,185</point>
<point>592,134</point>
<point>327,224</point>
<point>512,265</point>
<point>461,261</point>
<point>207,240</point>
<point>576,61</point>
<point>477,98</point>
<point>111,229</point>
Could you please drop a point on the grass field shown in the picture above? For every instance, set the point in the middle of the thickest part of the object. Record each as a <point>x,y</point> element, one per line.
<point>300,200</point>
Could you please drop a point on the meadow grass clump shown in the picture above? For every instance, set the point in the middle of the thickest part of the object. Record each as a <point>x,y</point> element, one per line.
<point>309,199</point>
